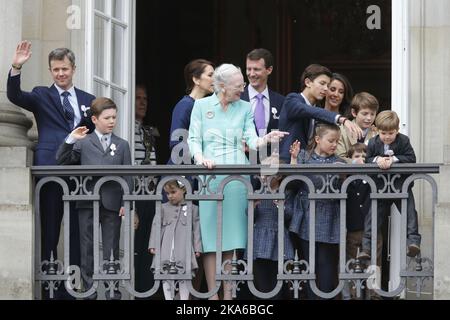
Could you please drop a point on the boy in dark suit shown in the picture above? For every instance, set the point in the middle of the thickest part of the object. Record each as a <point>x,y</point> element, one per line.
<point>299,111</point>
<point>387,148</point>
<point>99,148</point>
<point>57,110</point>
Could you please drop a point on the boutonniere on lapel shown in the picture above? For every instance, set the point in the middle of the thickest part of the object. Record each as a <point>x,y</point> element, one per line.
<point>184,209</point>
<point>85,110</point>
<point>274,113</point>
<point>113,149</point>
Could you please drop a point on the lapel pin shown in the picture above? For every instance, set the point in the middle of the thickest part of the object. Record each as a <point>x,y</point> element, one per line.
<point>210,115</point>
<point>113,149</point>
<point>274,113</point>
<point>84,109</point>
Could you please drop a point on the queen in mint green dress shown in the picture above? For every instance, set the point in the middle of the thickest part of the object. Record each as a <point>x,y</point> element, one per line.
<point>218,136</point>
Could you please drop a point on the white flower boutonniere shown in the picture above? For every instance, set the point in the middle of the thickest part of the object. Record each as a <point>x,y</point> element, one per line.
<point>274,113</point>
<point>184,209</point>
<point>113,149</point>
<point>84,109</point>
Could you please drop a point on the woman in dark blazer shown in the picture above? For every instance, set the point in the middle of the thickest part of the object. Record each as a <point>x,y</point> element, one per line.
<point>199,83</point>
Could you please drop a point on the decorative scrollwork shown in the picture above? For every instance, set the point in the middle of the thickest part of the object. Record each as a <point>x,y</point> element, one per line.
<point>389,180</point>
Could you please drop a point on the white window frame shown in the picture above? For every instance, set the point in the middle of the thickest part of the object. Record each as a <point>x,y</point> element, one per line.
<point>126,116</point>
<point>400,104</point>
<point>400,62</point>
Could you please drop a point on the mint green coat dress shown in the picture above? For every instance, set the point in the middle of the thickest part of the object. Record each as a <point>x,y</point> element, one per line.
<point>218,136</point>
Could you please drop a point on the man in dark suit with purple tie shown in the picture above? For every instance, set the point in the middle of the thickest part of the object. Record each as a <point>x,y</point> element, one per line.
<point>58,109</point>
<point>266,104</point>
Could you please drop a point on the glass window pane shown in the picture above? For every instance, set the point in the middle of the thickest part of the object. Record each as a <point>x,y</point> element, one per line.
<point>100,5</point>
<point>118,56</point>
<point>99,47</point>
<point>117,9</point>
<point>99,89</point>
<point>119,98</point>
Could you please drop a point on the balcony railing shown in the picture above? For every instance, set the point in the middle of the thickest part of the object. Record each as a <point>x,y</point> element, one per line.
<point>294,272</point>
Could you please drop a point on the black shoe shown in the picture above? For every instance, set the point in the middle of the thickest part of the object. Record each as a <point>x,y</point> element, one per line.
<point>413,250</point>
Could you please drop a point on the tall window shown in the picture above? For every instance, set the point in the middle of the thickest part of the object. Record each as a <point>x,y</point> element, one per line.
<point>109,54</point>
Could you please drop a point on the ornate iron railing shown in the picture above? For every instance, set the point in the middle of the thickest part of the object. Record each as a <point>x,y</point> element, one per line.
<point>295,272</point>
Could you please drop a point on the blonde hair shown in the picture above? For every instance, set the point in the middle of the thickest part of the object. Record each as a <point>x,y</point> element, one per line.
<point>387,121</point>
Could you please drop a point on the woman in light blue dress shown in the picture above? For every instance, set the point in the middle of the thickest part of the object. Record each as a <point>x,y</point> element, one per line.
<point>219,124</point>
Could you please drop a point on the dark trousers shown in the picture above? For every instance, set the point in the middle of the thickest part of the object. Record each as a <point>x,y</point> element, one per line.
<point>265,278</point>
<point>142,258</point>
<point>327,259</point>
<point>52,212</point>
<point>110,225</point>
<point>413,236</point>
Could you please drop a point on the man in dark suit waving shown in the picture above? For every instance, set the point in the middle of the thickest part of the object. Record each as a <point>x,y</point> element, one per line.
<point>266,104</point>
<point>58,110</point>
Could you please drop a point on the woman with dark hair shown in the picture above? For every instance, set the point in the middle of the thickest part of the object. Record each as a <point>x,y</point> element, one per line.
<point>340,95</point>
<point>199,83</point>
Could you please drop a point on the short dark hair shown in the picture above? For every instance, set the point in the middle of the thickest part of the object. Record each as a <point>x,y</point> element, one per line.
<point>59,55</point>
<point>359,147</point>
<point>195,69</point>
<point>141,86</point>
<point>261,53</point>
<point>312,72</point>
<point>101,104</point>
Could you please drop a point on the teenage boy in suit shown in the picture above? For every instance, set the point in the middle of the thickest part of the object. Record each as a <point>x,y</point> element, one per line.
<point>58,109</point>
<point>99,148</point>
<point>300,111</point>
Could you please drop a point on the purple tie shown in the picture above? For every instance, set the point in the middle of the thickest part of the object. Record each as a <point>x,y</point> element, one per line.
<point>260,113</point>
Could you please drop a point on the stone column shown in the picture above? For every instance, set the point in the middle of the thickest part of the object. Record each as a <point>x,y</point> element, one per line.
<point>430,120</point>
<point>16,219</point>
<point>14,125</point>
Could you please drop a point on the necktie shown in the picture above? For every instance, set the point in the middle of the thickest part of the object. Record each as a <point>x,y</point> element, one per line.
<point>260,113</point>
<point>105,143</point>
<point>68,109</point>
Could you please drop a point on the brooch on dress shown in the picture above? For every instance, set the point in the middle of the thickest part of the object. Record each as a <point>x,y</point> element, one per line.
<point>210,115</point>
<point>113,149</point>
